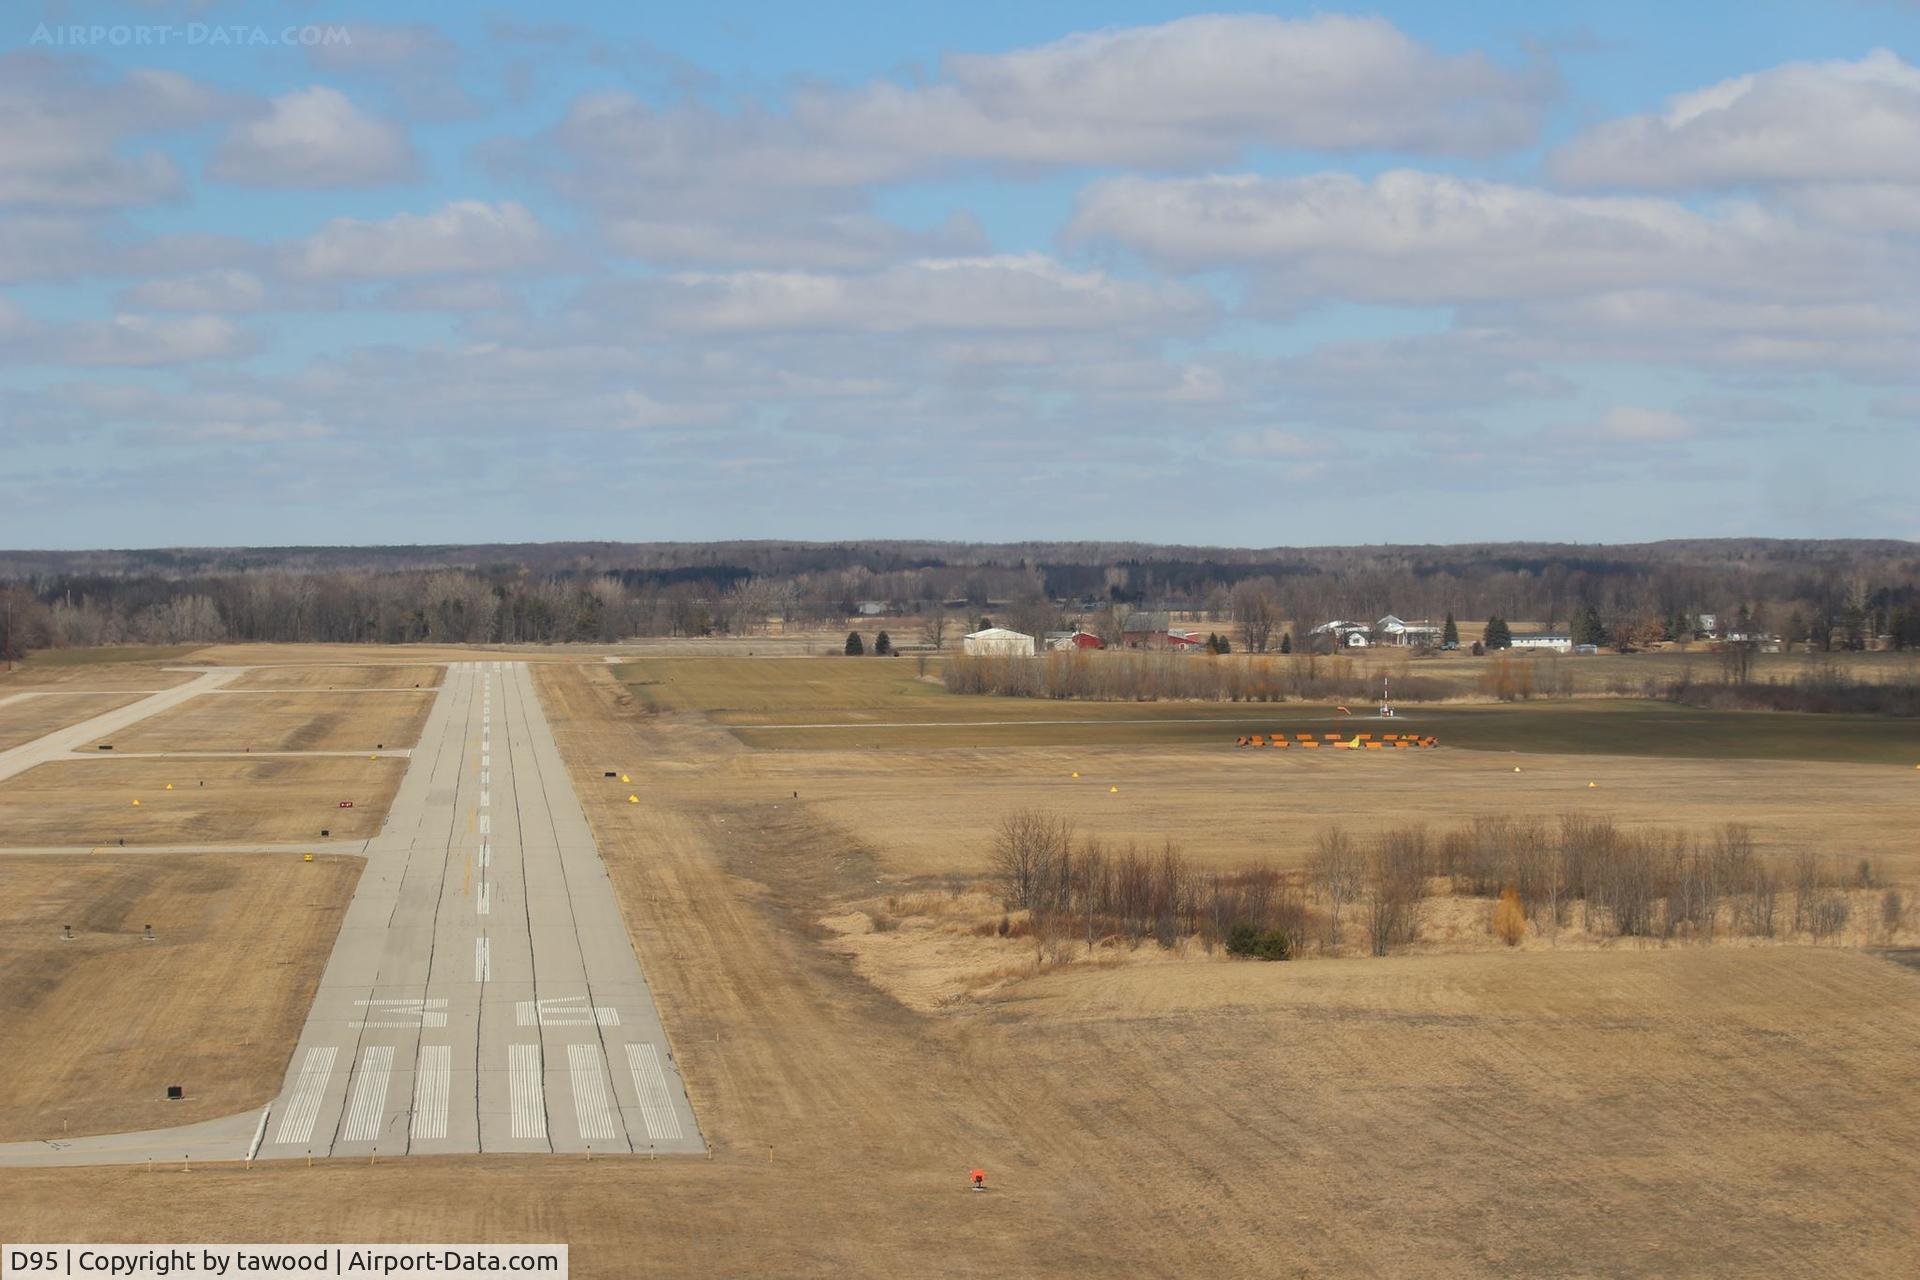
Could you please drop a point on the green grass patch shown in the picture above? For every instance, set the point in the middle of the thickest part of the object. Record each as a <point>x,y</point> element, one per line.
<point>109,653</point>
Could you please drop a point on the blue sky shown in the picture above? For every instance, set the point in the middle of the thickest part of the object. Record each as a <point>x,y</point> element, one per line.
<point>351,273</point>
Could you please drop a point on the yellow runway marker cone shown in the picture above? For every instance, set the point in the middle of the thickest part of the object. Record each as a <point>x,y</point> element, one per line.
<point>1112,791</point>
<point>625,778</point>
<point>1516,768</point>
<point>633,799</point>
<point>136,804</point>
<point>1076,773</point>
<point>1592,785</point>
<point>169,786</point>
<point>307,858</point>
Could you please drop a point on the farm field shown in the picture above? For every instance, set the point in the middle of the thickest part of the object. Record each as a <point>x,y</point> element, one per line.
<point>292,721</point>
<point>269,800</point>
<point>97,1028</point>
<point>24,718</point>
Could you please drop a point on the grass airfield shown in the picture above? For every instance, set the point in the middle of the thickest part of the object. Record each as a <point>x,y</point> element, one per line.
<point>1643,1110</point>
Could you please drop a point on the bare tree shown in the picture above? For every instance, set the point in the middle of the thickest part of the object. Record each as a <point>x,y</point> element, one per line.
<point>933,629</point>
<point>1253,610</point>
<point>1336,871</point>
<point>1028,847</point>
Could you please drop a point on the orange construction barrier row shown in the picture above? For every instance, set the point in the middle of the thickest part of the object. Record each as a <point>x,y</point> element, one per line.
<point>1401,741</point>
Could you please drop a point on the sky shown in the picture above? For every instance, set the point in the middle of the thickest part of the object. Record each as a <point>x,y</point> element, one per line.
<point>350,273</point>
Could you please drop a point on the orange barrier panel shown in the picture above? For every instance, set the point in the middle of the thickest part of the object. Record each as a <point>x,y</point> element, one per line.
<point>1240,741</point>
<point>1310,743</point>
<point>1304,737</point>
<point>1401,742</point>
<point>1281,743</point>
<point>1331,737</point>
<point>1374,746</point>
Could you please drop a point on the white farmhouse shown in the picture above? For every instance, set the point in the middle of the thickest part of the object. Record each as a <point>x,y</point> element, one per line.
<point>1556,641</point>
<point>998,642</point>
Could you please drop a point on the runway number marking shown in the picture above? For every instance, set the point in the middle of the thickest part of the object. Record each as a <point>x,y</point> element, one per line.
<point>527,1089</point>
<point>430,1088</point>
<point>369,1100</point>
<point>564,1011</point>
<point>296,1123</point>
<point>402,1014</point>
<point>588,1070</point>
<point>656,1101</point>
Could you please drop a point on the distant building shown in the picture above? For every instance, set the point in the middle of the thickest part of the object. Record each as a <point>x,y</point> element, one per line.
<point>1392,630</point>
<point>1340,634</point>
<point>872,608</point>
<point>1556,641</point>
<point>1068,640</point>
<point>998,642</point>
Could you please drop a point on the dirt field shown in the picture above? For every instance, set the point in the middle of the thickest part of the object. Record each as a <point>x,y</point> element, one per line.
<point>220,721</point>
<point>97,1028</point>
<point>24,719</point>
<point>1686,1111</point>
<point>343,676</point>
<point>90,802</point>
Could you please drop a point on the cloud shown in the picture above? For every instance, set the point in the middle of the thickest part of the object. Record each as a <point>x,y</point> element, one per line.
<point>1425,238</point>
<point>314,137</point>
<point>1801,122</point>
<point>1017,293</point>
<point>64,126</point>
<point>831,241</point>
<point>1641,426</point>
<point>460,237</point>
<point>127,340</point>
<point>219,289</point>
<point>416,64</point>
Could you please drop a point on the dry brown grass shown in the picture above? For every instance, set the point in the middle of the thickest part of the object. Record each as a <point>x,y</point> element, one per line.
<point>927,812</point>
<point>1687,1111</point>
<point>25,719</point>
<point>269,800</point>
<point>92,677</point>
<point>97,1028</point>
<point>281,722</point>
<point>344,676</point>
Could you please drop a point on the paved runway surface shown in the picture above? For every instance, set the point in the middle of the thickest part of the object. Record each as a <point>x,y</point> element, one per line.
<point>483,994</point>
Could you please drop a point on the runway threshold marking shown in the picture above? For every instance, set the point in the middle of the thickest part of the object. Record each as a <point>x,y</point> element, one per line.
<point>656,1100</point>
<point>296,1124</point>
<point>369,1099</point>
<point>527,1089</point>
<point>589,1072</point>
<point>430,1089</point>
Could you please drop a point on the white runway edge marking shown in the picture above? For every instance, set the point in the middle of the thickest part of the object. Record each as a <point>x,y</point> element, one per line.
<point>485,905</point>
<point>564,1011</point>
<point>369,1100</point>
<point>589,1073</point>
<point>656,1100</point>
<point>430,1087</point>
<point>528,1091</point>
<point>296,1125</point>
<point>482,959</point>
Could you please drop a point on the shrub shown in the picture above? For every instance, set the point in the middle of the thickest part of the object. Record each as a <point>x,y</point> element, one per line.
<point>1242,939</point>
<point>1509,918</point>
<point>1274,944</point>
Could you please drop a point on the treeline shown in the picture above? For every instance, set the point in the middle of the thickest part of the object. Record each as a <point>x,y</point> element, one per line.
<point>1822,691</point>
<point>1536,874</point>
<point>1139,676</point>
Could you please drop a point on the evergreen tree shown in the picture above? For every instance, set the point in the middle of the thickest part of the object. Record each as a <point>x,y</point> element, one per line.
<point>1588,629</point>
<point>882,645</point>
<point>1498,635</point>
<point>854,647</point>
<point>1450,633</point>
<point>1222,644</point>
<point>1286,642</point>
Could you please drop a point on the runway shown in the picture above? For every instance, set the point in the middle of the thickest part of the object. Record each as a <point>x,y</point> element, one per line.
<point>483,994</point>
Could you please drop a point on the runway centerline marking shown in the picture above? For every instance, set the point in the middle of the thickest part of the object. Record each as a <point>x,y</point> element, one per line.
<point>482,959</point>
<point>485,905</point>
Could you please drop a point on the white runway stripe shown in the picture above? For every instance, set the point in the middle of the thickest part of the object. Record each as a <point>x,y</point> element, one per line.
<point>296,1122</point>
<point>369,1099</point>
<point>528,1091</point>
<point>589,1073</point>
<point>656,1101</point>
<point>486,777</point>
<point>486,855</point>
<point>486,825</point>
<point>430,1080</point>
<point>486,799</point>
<point>482,959</point>
<point>485,905</point>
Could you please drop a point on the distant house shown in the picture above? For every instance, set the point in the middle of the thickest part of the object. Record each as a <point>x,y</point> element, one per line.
<point>998,642</point>
<point>1069,640</point>
<point>1392,630</point>
<point>1340,634</point>
<point>1145,630</point>
<point>1555,641</point>
<point>872,608</point>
